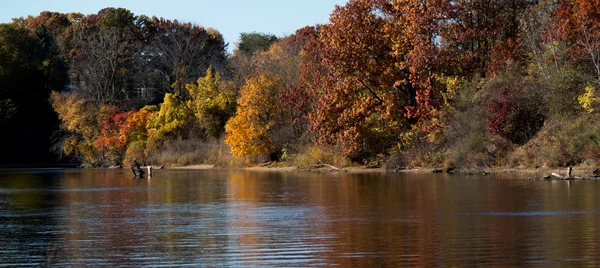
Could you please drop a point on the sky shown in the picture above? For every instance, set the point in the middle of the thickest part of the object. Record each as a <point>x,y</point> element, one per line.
<point>230,17</point>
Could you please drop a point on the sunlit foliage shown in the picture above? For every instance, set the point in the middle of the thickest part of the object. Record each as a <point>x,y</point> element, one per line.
<point>249,132</point>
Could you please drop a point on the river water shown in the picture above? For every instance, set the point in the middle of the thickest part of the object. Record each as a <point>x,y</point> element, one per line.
<point>293,219</point>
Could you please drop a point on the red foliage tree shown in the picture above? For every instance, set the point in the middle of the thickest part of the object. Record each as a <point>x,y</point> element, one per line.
<point>579,24</point>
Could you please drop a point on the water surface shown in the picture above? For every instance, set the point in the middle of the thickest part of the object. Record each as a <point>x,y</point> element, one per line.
<point>239,218</point>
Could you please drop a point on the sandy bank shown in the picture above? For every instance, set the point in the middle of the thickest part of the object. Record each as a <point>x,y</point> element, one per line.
<point>195,167</point>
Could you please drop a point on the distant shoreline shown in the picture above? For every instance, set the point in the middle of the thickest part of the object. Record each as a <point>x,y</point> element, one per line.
<point>577,170</point>
<point>580,170</point>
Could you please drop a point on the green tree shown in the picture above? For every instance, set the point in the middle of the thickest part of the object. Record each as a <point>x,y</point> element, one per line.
<point>25,113</point>
<point>251,43</point>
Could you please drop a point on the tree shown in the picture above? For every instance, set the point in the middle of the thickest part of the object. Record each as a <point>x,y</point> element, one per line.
<point>101,48</point>
<point>249,132</point>
<point>99,71</point>
<point>81,121</point>
<point>364,85</point>
<point>579,24</point>
<point>213,102</point>
<point>472,31</point>
<point>176,54</point>
<point>169,123</point>
<point>25,113</point>
<point>251,43</point>
<point>119,131</point>
<point>55,23</point>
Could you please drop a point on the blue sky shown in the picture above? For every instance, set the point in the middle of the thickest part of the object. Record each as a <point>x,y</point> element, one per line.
<point>230,17</point>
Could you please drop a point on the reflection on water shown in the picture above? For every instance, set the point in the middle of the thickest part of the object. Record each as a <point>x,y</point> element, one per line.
<point>237,218</point>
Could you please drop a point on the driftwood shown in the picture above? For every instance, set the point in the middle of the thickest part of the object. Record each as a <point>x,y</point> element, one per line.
<point>327,165</point>
<point>264,164</point>
<point>569,176</point>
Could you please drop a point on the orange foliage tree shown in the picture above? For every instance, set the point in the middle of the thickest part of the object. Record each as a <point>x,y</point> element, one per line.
<point>249,132</point>
<point>119,130</point>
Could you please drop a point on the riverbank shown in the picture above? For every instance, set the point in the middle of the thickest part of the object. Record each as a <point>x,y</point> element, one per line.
<point>580,170</point>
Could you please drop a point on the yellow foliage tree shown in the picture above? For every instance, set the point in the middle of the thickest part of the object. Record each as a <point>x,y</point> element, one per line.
<point>212,101</point>
<point>588,100</point>
<point>249,131</point>
<point>169,122</point>
<point>81,119</point>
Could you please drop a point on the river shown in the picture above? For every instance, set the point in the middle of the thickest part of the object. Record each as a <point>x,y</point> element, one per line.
<point>216,218</point>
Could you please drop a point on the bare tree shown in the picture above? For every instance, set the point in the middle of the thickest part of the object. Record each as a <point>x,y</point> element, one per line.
<point>99,68</point>
<point>180,53</point>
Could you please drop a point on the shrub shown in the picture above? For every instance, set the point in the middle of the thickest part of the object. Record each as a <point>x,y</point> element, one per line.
<point>316,154</point>
<point>515,110</point>
<point>566,141</point>
<point>135,151</point>
<point>196,152</point>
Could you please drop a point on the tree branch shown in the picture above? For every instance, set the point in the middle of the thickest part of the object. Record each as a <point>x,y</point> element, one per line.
<point>371,91</point>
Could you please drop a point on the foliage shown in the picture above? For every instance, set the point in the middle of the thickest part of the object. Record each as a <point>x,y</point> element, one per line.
<point>588,100</point>
<point>358,79</point>
<point>466,83</point>
<point>169,123</point>
<point>136,151</point>
<point>251,43</point>
<point>312,155</point>
<point>249,132</point>
<point>25,85</point>
<point>81,119</point>
<point>118,131</point>
<point>516,112</point>
<point>565,142</point>
<point>579,25</point>
<point>212,102</point>
<point>282,62</point>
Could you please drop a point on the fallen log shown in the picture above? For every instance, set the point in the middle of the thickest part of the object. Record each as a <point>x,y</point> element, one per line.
<point>327,165</point>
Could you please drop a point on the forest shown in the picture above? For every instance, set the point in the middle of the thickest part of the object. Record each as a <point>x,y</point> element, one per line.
<point>463,84</point>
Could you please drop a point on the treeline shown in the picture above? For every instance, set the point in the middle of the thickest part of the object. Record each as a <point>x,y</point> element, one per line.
<point>464,84</point>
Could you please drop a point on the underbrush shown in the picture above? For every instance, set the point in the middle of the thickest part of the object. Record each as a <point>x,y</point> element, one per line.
<point>195,152</point>
<point>311,155</point>
<point>564,142</point>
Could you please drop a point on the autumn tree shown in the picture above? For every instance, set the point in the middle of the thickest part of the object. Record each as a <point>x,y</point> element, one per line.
<point>54,22</point>
<point>365,85</point>
<point>212,102</point>
<point>171,122</point>
<point>281,62</point>
<point>81,122</point>
<point>249,132</point>
<point>579,25</point>
<point>119,131</point>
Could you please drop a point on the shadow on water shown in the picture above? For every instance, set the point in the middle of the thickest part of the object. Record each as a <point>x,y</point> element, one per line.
<point>239,218</point>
